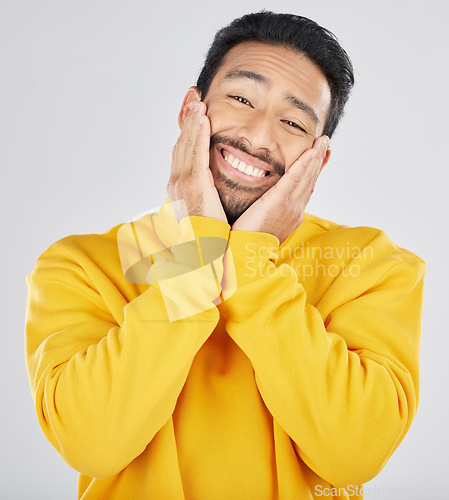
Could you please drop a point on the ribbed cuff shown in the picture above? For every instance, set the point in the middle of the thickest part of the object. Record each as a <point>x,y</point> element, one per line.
<point>203,227</point>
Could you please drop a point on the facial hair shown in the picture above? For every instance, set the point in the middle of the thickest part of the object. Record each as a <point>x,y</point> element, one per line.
<point>235,197</point>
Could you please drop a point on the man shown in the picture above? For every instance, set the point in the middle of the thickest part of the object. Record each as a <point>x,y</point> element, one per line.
<point>229,345</point>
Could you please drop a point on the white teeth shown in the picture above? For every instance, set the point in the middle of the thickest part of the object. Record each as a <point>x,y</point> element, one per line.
<point>249,170</point>
<point>243,167</point>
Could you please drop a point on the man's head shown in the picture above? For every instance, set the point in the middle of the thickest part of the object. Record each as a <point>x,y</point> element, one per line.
<point>297,33</point>
<point>272,84</point>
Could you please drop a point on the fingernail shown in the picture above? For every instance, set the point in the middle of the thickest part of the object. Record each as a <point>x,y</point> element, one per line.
<point>195,106</point>
<point>192,105</point>
<point>325,145</point>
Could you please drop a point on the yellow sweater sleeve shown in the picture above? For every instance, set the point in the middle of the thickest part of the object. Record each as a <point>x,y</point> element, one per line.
<point>341,375</point>
<point>106,365</point>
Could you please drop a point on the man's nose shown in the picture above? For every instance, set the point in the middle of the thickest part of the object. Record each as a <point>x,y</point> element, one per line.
<point>258,131</point>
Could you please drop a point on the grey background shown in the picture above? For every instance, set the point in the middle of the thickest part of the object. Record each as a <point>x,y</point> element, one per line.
<point>89,96</point>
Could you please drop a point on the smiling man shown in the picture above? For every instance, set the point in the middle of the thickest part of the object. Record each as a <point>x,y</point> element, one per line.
<point>229,345</point>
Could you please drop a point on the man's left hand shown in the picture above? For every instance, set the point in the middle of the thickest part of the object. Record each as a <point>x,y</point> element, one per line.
<point>280,210</point>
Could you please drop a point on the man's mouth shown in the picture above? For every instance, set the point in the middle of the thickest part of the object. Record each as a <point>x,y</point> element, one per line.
<point>243,167</point>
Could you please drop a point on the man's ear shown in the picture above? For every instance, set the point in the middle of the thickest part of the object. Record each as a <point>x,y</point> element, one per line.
<point>191,95</point>
<point>326,158</point>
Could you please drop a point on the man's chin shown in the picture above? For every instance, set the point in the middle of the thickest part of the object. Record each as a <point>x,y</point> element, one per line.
<point>234,204</point>
<point>235,197</point>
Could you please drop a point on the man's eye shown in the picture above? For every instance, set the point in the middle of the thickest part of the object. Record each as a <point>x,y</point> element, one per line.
<point>294,125</point>
<point>241,99</point>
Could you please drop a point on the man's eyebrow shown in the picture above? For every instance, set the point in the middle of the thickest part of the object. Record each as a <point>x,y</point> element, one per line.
<point>244,73</point>
<point>297,103</point>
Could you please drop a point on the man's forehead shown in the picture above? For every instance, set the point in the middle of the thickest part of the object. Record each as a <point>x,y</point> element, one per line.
<point>257,60</point>
<point>243,52</point>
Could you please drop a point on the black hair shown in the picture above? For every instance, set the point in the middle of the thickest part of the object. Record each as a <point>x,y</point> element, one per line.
<point>298,33</point>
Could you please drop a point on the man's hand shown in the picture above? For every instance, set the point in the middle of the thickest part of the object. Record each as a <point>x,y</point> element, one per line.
<point>191,180</point>
<point>280,210</point>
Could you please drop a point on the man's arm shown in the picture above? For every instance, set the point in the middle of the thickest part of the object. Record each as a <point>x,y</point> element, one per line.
<point>338,368</point>
<point>106,364</point>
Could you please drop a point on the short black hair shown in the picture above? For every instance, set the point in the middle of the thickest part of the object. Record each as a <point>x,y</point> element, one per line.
<point>298,33</point>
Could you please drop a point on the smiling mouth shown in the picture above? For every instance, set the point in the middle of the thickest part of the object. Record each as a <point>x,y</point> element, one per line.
<point>243,167</point>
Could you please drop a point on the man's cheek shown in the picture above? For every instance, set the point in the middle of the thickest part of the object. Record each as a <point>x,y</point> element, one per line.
<point>298,153</point>
<point>220,120</point>
<point>217,125</point>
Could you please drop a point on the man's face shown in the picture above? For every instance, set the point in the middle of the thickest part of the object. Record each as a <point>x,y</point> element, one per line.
<point>266,105</point>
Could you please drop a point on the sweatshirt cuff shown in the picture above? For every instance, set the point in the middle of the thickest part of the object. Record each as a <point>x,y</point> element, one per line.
<point>199,227</point>
<point>189,276</point>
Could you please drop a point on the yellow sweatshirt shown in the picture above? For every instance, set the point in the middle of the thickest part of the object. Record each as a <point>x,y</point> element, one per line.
<point>297,380</point>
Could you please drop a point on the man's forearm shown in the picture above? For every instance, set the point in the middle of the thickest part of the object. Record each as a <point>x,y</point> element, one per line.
<point>339,376</point>
<point>105,373</point>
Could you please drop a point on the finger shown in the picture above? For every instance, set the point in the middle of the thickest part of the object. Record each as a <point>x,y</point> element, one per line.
<point>180,163</point>
<point>200,153</point>
<point>190,141</point>
<point>182,157</point>
<point>302,174</point>
<point>301,177</point>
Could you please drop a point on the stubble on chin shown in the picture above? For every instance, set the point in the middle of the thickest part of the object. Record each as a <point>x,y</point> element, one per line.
<point>234,197</point>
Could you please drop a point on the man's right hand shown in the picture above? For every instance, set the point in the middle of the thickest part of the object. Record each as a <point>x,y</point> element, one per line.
<point>191,182</point>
